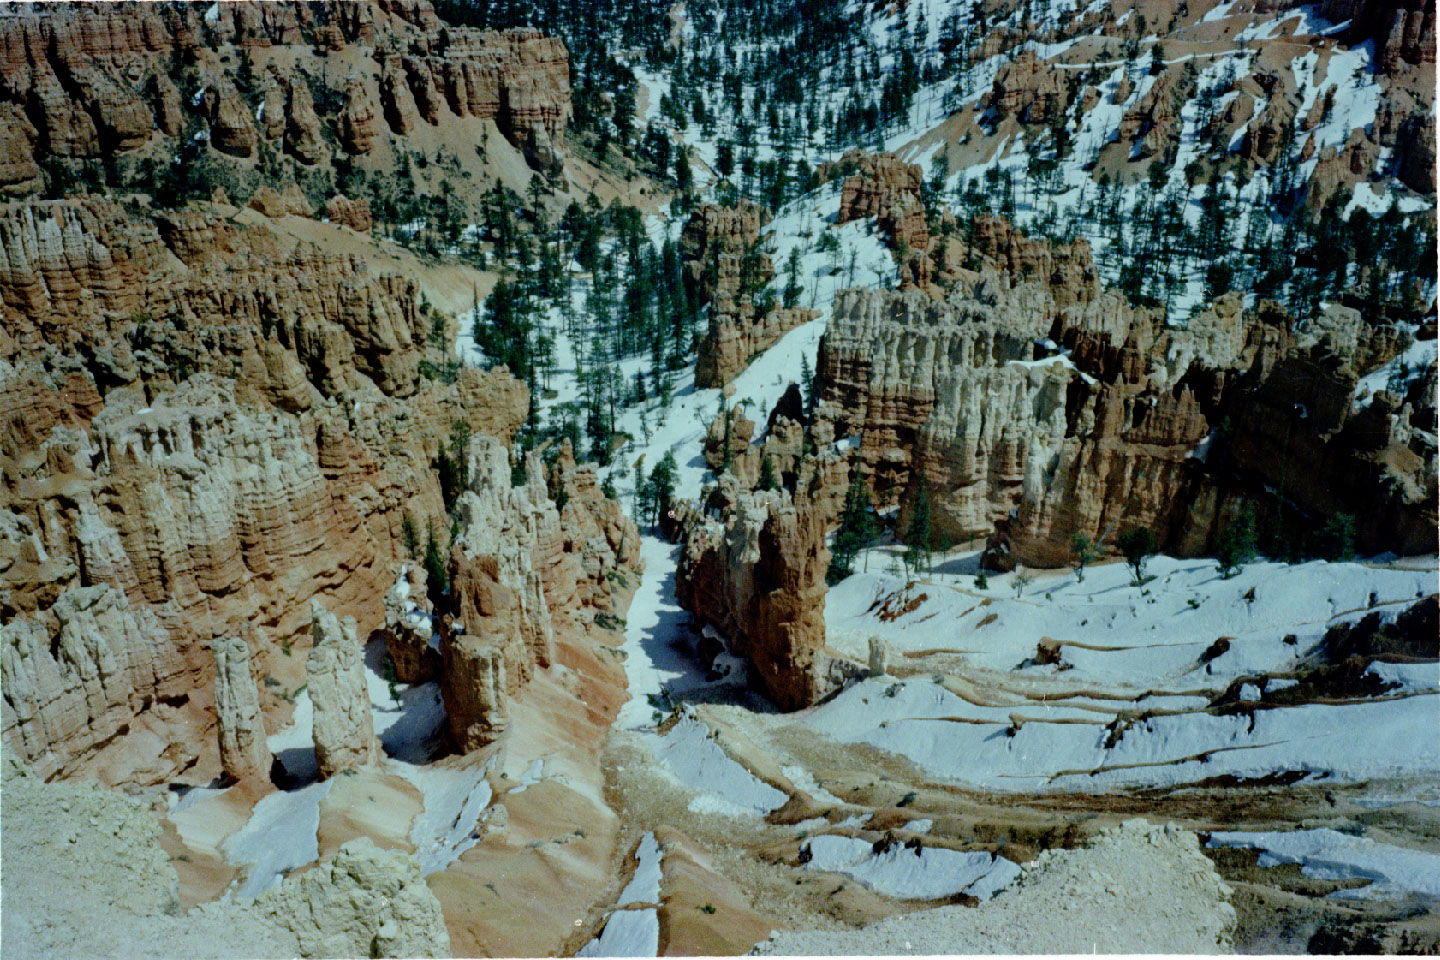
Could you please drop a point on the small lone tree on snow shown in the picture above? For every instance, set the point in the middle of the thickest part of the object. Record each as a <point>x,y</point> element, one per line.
<point>1237,544</point>
<point>1084,552</point>
<point>1138,545</point>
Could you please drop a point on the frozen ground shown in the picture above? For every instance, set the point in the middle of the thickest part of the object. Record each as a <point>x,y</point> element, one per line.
<point>1139,667</point>
<point>721,785</point>
<point>633,932</point>
<point>1393,872</point>
<point>927,873</point>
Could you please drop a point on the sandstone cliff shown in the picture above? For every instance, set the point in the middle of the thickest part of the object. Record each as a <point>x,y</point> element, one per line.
<point>1044,422</point>
<point>757,575</point>
<point>86,83</point>
<point>726,268</point>
<point>522,571</point>
<point>214,429</point>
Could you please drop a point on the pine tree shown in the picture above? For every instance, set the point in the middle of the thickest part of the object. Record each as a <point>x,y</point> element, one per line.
<point>410,536</point>
<point>1237,544</point>
<point>1138,546</point>
<point>807,385</point>
<point>435,568</point>
<point>768,480</point>
<point>662,485</point>
<point>857,529</point>
<point>1084,552</point>
<point>917,535</point>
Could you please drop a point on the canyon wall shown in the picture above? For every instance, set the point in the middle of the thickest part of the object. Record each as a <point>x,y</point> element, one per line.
<point>753,567</point>
<point>726,269</point>
<point>525,569</point>
<point>1041,423</point>
<point>85,82</point>
<point>211,428</point>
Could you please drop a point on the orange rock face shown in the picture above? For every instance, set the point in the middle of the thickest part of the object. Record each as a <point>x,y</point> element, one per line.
<point>354,214</point>
<point>1120,425</point>
<point>98,83</point>
<point>524,571</point>
<point>722,263</point>
<point>757,575</point>
<point>212,431</point>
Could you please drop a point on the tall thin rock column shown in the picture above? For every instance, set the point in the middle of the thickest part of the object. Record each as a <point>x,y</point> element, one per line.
<point>344,727</point>
<point>243,751</point>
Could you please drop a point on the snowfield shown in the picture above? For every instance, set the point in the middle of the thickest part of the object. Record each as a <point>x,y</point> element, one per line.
<point>1126,705</point>
<point>928,873</point>
<point>1393,872</point>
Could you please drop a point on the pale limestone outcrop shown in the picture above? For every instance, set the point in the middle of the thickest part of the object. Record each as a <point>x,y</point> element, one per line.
<point>85,870</point>
<point>522,572</point>
<point>359,122</point>
<point>354,214</point>
<point>335,673</point>
<point>473,684</point>
<point>241,458</point>
<point>519,78</point>
<point>302,127</point>
<point>91,670</point>
<point>364,902</point>
<point>244,753</point>
<point>725,267</point>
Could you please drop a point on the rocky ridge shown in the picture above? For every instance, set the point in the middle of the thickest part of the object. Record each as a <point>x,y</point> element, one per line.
<point>1043,422</point>
<point>98,882</point>
<point>757,576</point>
<point>726,268</point>
<point>84,82</point>
<point>213,428</point>
<point>522,570</point>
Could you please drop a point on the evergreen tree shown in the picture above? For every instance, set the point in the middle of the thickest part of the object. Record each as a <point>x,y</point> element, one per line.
<point>662,485</point>
<point>768,480</point>
<point>436,571</point>
<point>1138,546</point>
<point>410,536</point>
<point>917,535</point>
<point>807,385</point>
<point>1336,540</point>
<point>857,528</point>
<point>1237,544</point>
<point>1084,552</point>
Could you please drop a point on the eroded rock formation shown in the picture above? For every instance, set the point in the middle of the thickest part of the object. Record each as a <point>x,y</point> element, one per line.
<point>757,574</point>
<point>96,83</point>
<point>523,570</point>
<point>1044,422</point>
<point>104,849</point>
<point>244,753</point>
<point>214,431</point>
<point>726,268</point>
<point>335,675</point>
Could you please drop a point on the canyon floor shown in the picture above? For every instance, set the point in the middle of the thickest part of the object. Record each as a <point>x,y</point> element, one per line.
<point>336,623</point>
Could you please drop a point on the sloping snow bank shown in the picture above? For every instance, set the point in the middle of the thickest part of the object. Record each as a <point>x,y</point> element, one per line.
<point>454,801</point>
<point>1136,888</point>
<point>908,874</point>
<point>628,933</point>
<point>721,785</point>
<point>280,836</point>
<point>1322,854</point>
